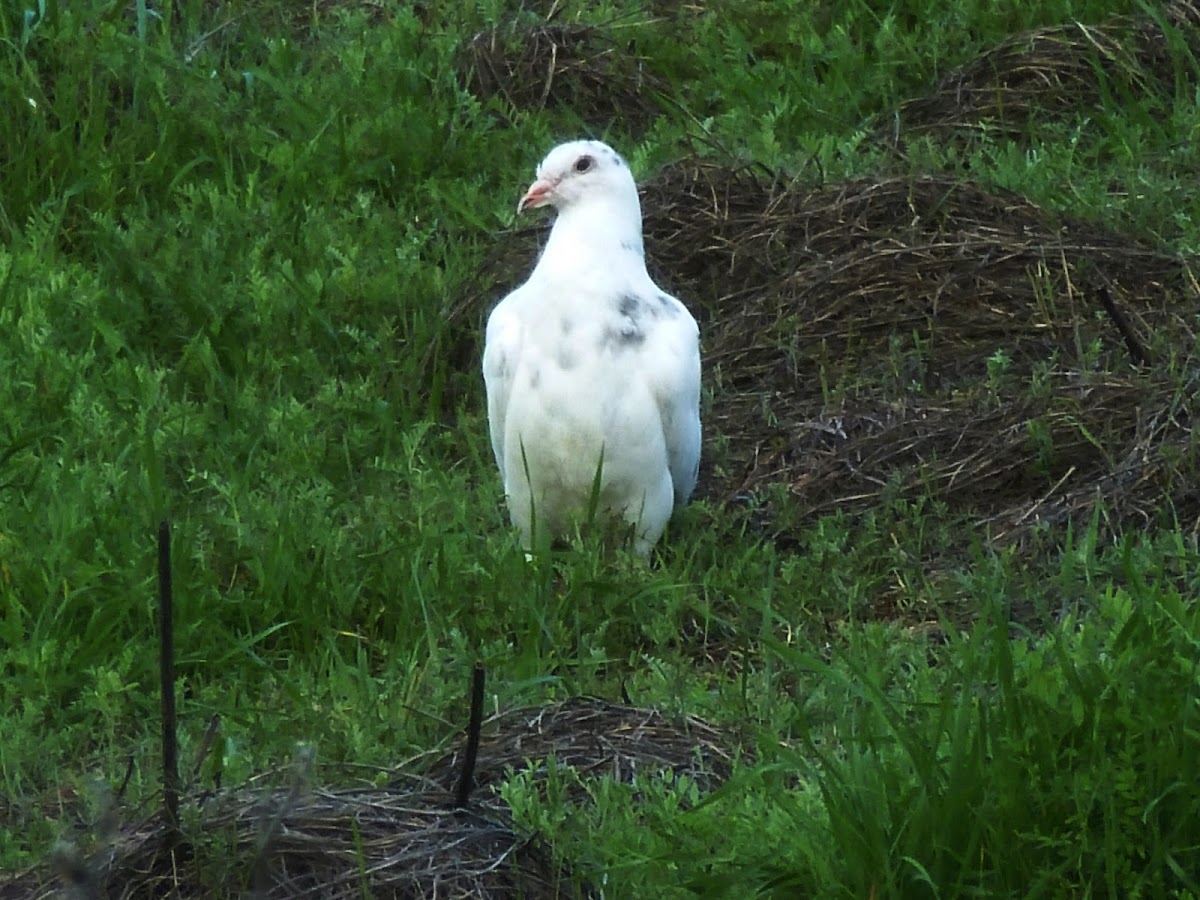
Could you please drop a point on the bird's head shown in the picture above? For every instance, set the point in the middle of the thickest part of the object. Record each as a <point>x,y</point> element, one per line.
<point>577,171</point>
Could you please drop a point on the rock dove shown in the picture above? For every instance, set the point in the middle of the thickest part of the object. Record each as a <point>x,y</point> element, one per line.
<point>592,371</point>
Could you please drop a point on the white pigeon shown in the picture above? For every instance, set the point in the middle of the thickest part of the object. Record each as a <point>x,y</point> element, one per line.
<point>592,371</point>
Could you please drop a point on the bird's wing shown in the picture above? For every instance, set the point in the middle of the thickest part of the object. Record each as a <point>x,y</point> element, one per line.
<point>501,354</point>
<point>673,371</point>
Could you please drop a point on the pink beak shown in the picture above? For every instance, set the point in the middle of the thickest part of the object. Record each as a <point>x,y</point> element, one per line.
<point>539,194</point>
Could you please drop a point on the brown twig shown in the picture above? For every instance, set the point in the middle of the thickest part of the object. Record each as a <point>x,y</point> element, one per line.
<point>1137,352</point>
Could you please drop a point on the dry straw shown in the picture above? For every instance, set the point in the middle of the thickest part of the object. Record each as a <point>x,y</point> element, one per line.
<point>544,63</point>
<point>1054,71</point>
<point>850,331</point>
<point>281,837</point>
<point>594,739</point>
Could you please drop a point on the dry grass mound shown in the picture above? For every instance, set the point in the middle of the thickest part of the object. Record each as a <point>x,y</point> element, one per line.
<point>908,339</point>
<point>1055,71</point>
<point>402,840</point>
<point>595,738</point>
<point>588,69</point>
<point>1049,459</point>
<point>346,843</point>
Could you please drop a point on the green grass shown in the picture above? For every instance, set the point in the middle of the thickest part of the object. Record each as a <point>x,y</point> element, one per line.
<point>231,234</point>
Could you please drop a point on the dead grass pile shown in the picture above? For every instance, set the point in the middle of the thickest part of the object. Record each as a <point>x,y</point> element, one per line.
<point>410,838</point>
<point>910,338</point>
<point>1057,70</point>
<point>345,843</point>
<point>584,68</point>
<point>923,337</point>
<point>595,738</point>
<point>1041,459</point>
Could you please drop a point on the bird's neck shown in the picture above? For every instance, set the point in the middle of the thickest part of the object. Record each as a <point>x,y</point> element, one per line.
<point>599,233</point>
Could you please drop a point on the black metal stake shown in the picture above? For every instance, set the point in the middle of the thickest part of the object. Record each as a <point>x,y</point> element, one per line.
<point>466,779</point>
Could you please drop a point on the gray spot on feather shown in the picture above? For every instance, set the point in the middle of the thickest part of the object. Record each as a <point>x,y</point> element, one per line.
<point>629,306</point>
<point>624,338</point>
<point>629,332</point>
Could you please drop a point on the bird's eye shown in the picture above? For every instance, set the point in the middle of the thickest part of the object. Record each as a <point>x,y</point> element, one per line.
<point>583,164</point>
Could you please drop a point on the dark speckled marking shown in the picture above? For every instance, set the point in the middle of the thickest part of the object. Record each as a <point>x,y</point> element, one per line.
<point>566,361</point>
<point>630,306</point>
<point>535,379</point>
<point>629,333</point>
<point>635,309</point>
<point>566,326</point>
<point>624,338</point>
